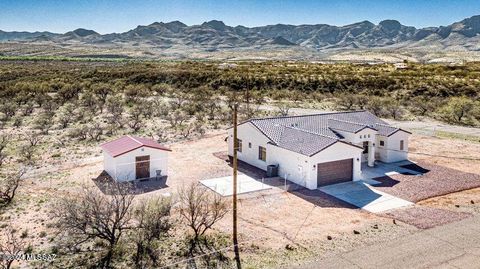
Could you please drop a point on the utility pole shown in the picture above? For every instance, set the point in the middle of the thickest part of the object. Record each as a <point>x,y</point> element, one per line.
<point>235,148</point>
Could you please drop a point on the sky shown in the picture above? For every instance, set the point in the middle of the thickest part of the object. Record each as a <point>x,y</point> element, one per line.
<point>107,16</point>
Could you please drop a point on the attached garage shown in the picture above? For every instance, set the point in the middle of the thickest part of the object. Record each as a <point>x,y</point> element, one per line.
<point>334,172</point>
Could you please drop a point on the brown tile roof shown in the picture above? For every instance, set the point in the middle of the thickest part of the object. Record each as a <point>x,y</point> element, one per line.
<point>128,143</point>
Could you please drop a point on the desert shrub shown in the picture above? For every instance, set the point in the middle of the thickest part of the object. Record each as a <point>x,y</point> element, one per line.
<point>176,118</point>
<point>376,105</point>
<point>27,153</point>
<point>153,226</point>
<point>17,121</point>
<point>4,141</point>
<point>135,118</point>
<point>43,122</point>
<point>79,132</point>
<point>28,108</point>
<point>459,110</point>
<point>8,109</point>
<point>94,131</point>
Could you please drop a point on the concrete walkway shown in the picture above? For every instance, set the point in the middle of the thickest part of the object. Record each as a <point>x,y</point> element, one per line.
<point>455,245</point>
<point>362,195</point>
<point>386,169</point>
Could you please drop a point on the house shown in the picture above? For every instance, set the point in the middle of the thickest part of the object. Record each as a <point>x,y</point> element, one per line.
<point>130,158</point>
<point>320,149</point>
<point>400,65</point>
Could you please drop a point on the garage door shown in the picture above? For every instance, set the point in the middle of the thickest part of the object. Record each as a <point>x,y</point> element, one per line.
<point>334,172</point>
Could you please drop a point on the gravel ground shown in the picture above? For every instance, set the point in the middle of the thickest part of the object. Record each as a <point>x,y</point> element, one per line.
<point>439,181</point>
<point>426,217</point>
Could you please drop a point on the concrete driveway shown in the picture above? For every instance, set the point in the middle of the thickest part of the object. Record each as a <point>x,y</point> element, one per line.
<point>362,195</point>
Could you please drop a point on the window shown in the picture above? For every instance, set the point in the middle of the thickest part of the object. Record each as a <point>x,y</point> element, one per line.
<point>382,143</point>
<point>239,145</point>
<point>401,145</point>
<point>365,147</point>
<point>262,153</point>
<point>249,145</point>
<point>360,136</point>
<point>369,136</point>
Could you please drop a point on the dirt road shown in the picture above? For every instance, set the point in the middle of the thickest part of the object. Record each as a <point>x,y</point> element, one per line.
<point>455,245</point>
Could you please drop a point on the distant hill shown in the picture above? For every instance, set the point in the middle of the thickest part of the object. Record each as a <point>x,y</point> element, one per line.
<point>177,38</point>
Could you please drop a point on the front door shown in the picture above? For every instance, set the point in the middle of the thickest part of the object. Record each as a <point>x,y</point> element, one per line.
<point>142,167</point>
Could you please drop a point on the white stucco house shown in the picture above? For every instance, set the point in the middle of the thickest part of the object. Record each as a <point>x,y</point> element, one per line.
<point>320,149</point>
<point>135,158</point>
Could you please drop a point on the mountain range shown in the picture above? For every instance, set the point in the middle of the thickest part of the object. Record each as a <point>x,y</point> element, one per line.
<point>175,37</point>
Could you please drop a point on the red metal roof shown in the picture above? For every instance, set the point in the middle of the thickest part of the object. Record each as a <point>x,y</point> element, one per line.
<point>128,143</point>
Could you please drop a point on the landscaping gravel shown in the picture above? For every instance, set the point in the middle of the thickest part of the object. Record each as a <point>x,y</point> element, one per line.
<point>438,181</point>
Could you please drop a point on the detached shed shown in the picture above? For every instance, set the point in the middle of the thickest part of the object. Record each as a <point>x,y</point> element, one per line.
<point>133,158</point>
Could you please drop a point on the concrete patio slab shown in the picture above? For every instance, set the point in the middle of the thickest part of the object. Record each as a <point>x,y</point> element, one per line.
<point>364,196</point>
<point>224,185</point>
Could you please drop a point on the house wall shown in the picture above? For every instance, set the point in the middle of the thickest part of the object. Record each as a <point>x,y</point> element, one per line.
<point>392,149</point>
<point>291,165</point>
<point>250,134</point>
<point>365,135</point>
<point>125,164</point>
<point>109,164</point>
<point>381,151</point>
<point>302,169</point>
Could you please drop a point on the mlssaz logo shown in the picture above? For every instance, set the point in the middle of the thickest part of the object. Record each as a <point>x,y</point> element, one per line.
<point>28,257</point>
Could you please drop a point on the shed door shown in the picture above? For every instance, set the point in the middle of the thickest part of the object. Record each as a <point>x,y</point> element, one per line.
<point>142,167</point>
<point>334,172</point>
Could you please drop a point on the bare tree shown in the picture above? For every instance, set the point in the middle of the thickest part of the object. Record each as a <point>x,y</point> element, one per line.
<point>154,223</point>
<point>33,138</point>
<point>10,245</point>
<point>200,209</point>
<point>9,183</point>
<point>93,215</point>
